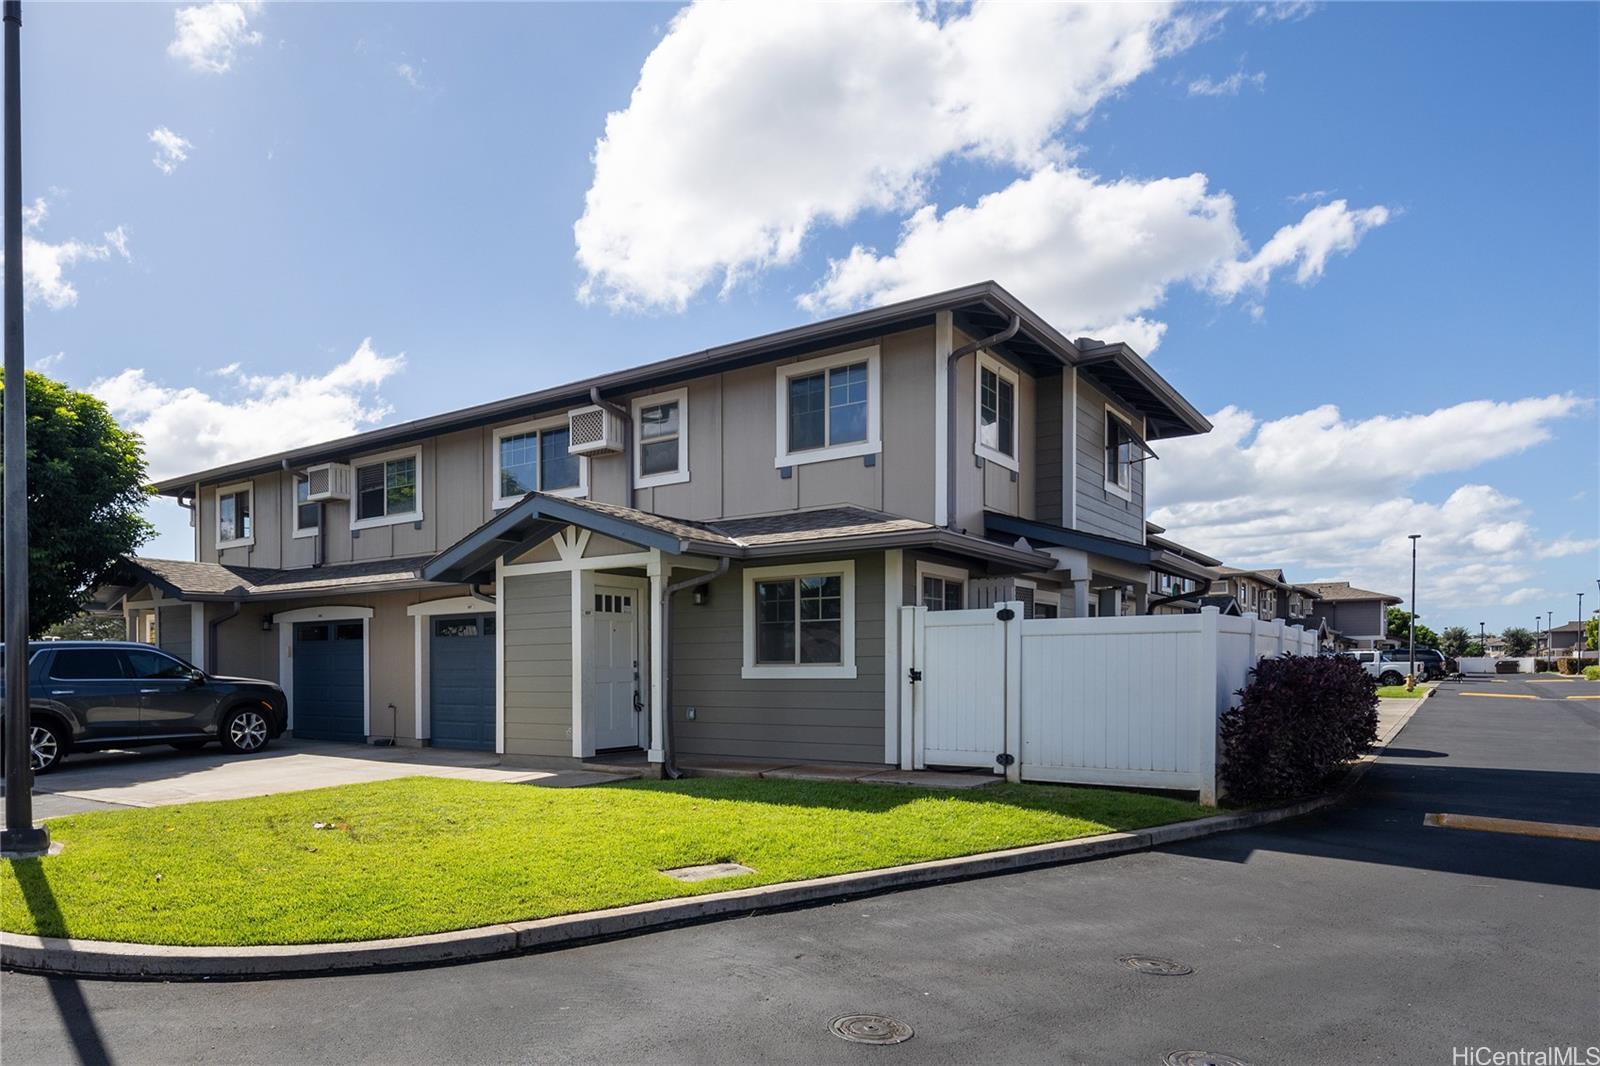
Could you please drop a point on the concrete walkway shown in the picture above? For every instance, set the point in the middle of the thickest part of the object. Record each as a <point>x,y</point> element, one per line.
<point>156,777</point>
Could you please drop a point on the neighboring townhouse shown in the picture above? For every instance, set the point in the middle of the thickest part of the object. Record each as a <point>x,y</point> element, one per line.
<point>1567,640</point>
<point>718,543</point>
<point>1356,618</point>
<point>1181,578</point>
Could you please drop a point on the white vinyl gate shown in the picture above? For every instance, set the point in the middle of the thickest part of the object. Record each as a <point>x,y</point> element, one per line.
<point>1130,701</point>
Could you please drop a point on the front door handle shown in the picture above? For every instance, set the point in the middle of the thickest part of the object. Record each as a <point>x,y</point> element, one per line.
<point>148,691</point>
<point>63,691</point>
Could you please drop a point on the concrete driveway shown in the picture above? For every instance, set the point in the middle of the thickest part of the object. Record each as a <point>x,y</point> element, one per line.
<point>154,777</point>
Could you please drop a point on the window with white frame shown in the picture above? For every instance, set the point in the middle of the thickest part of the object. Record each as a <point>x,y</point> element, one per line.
<point>997,411</point>
<point>1119,455</point>
<point>388,489</point>
<point>941,588</point>
<point>827,408</point>
<point>235,521</point>
<point>533,457</point>
<point>661,447</point>
<point>799,621</point>
<point>307,515</point>
<point>1046,603</point>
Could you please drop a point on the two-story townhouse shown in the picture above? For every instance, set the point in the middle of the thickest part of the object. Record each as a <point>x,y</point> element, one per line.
<point>704,555</point>
<point>1356,618</point>
<point>1180,576</point>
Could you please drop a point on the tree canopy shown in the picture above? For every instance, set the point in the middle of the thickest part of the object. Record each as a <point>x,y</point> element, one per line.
<point>1398,620</point>
<point>1453,641</point>
<point>86,495</point>
<point>1519,641</point>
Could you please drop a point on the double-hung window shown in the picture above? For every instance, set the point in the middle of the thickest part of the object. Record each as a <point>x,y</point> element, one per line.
<point>388,490</point>
<point>799,621</point>
<point>235,522</point>
<point>1119,455</point>
<point>941,588</point>
<point>307,515</point>
<point>997,410</point>
<point>661,453</point>
<point>533,457</point>
<point>828,408</point>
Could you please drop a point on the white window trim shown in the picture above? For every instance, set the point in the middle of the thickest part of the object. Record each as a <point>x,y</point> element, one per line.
<point>295,531</point>
<point>846,667</point>
<point>1111,483</point>
<point>388,519</point>
<point>948,573</point>
<point>641,480</point>
<point>1005,373</point>
<point>1052,597</point>
<point>216,518</point>
<point>874,442</point>
<point>538,425</point>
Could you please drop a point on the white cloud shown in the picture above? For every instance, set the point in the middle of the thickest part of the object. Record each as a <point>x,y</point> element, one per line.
<point>187,428</point>
<point>46,363</point>
<point>750,125</point>
<point>1331,498</point>
<point>1229,86</point>
<point>209,36</point>
<point>1284,11</point>
<point>171,149</point>
<point>409,74</point>
<point>45,264</point>
<point>1092,256</point>
<point>1522,595</point>
<point>34,214</point>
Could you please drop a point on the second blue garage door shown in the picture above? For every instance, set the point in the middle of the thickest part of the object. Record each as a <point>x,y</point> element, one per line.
<point>329,680</point>
<point>461,682</point>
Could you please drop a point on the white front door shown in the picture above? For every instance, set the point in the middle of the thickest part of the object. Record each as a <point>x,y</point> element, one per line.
<point>611,660</point>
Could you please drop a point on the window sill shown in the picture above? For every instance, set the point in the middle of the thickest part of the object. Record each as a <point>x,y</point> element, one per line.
<point>999,458</point>
<point>301,534</point>
<point>1117,490</point>
<point>386,520</point>
<point>799,672</point>
<point>823,455</point>
<point>577,492</point>
<point>653,481</point>
<point>224,545</point>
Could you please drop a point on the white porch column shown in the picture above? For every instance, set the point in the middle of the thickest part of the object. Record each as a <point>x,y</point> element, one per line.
<point>197,636</point>
<point>658,724</point>
<point>1080,598</point>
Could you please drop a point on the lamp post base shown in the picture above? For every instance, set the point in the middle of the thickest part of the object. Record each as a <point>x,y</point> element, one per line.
<point>29,843</point>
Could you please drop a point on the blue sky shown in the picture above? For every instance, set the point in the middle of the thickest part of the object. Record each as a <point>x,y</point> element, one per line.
<point>362,183</point>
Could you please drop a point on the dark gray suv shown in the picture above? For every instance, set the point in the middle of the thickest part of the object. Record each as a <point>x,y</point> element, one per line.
<point>90,695</point>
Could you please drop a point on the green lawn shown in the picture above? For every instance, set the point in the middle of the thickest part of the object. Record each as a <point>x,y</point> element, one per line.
<point>1398,692</point>
<point>424,855</point>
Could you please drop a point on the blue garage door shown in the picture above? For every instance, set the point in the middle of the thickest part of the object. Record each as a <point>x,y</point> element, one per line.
<point>329,680</point>
<point>461,682</point>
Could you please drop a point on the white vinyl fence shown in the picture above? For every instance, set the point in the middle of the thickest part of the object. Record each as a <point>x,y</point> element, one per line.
<point>1130,701</point>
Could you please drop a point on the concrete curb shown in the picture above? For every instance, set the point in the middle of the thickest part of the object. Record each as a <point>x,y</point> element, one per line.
<point>110,959</point>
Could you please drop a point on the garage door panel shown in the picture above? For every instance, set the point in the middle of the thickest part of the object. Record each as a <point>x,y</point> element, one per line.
<point>329,681</point>
<point>461,682</point>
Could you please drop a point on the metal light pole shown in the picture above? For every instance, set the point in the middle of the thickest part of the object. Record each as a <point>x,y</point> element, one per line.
<point>1580,627</point>
<point>19,837</point>
<point>1411,625</point>
<point>1549,638</point>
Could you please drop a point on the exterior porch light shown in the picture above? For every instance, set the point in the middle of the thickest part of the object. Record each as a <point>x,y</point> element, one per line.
<point>702,594</point>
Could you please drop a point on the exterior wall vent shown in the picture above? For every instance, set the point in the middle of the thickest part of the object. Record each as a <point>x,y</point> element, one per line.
<point>593,430</point>
<point>327,481</point>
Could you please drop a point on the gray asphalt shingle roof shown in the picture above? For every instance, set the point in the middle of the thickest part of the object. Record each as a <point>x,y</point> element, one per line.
<point>191,579</point>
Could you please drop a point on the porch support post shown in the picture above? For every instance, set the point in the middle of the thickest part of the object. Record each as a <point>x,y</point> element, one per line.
<point>658,726</point>
<point>893,568</point>
<point>197,636</point>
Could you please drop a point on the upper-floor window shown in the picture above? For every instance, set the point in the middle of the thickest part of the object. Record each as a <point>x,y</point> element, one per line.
<point>941,588</point>
<point>533,457</point>
<point>235,523</point>
<point>996,438</point>
<point>388,490</point>
<point>661,453</point>
<point>1119,455</point>
<point>799,621</point>
<point>307,515</point>
<point>828,408</point>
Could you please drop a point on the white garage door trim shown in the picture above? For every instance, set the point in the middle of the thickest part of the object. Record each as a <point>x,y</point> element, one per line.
<point>285,621</point>
<point>420,613</point>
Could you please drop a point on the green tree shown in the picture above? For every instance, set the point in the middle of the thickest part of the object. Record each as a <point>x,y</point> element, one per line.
<point>88,626</point>
<point>1519,641</point>
<point>1474,651</point>
<point>86,494</point>
<point>1398,620</point>
<point>1591,633</point>
<point>1453,641</point>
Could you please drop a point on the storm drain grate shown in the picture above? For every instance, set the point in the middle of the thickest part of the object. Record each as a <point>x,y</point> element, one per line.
<point>1201,1058</point>
<point>869,1029</point>
<point>1152,964</point>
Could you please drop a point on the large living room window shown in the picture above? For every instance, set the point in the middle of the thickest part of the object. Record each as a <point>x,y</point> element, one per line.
<point>828,408</point>
<point>799,621</point>
<point>235,523</point>
<point>533,457</point>
<point>388,490</point>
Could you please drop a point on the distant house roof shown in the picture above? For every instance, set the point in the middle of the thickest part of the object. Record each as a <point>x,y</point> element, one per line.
<point>215,581</point>
<point>1167,544</point>
<point>1343,591</point>
<point>1226,604</point>
<point>538,516</point>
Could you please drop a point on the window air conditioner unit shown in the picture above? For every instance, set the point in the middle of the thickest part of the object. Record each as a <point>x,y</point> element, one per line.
<point>327,481</point>
<point>593,431</point>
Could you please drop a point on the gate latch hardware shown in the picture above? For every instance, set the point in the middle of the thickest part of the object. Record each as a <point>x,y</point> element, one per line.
<point>914,674</point>
<point>1005,758</point>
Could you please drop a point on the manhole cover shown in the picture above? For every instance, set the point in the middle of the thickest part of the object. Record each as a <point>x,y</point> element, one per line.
<point>1160,967</point>
<point>1201,1058</point>
<point>869,1029</point>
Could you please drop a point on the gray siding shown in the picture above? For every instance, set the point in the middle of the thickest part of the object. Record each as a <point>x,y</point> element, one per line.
<point>538,664</point>
<point>833,720</point>
<point>173,632</point>
<point>982,485</point>
<point>1100,510</point>
<point>1047,453</point>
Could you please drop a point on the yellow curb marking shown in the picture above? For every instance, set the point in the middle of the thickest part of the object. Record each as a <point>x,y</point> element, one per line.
<point>1583,697</point>
<point>1501,695</point>
<point>1554,830</point>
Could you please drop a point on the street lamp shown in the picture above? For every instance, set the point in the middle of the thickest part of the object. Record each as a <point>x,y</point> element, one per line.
<point>1483,641</point>
<point>1580,627</point>
<point>1411,625</point>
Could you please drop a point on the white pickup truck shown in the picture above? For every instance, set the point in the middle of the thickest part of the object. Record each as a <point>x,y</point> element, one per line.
<point>1390,667</point>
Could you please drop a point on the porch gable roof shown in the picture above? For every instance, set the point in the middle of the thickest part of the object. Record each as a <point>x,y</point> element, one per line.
<point>1036,532</point>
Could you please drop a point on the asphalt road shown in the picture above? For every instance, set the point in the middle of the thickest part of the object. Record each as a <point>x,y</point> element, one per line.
<point>1353,936</point>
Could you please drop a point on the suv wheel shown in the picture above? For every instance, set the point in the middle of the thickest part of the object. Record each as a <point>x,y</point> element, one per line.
<point>47,746</point>
<point>1391,678</point>
<point>244,730</point>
